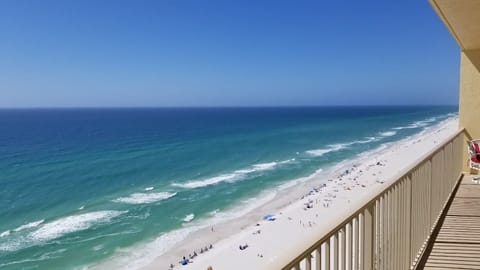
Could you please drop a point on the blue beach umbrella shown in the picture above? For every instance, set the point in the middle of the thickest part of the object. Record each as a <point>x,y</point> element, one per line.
<point>269,217</point>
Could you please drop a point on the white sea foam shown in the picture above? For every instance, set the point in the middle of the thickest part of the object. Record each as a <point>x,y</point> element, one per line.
<point>387,133</point>
<point>330,148</point>
<point>368,140</point>
<point>234,176</point>
<point>419,124</point>
<point>210,181</point>
<point>340,146</point>
<point>143,198</point>
<point>148,188</point>
<point>5,233</point>
<point>70,224</point>
<point>29,225</point>
<point>189,217</point>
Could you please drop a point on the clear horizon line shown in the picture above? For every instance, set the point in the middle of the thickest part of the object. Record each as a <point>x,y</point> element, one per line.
<point>226,106</point>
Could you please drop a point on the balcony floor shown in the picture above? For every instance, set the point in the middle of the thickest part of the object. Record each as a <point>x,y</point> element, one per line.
<point>457,244</point>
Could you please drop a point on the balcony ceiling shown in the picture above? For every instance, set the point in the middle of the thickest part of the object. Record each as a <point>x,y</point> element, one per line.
<point>462,17</point>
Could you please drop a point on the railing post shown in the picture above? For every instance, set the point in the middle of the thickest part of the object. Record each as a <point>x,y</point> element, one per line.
<point>327,254</point>
<point>349,238</point>
<point>368,235</point>
<point>335,251</point>
<point>318,258</point>
<point>342,257</point>
<point>408,221</point>
<point>308,262</point>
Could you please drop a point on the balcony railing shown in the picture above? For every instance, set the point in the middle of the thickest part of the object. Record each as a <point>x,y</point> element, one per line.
<point>391,228</point>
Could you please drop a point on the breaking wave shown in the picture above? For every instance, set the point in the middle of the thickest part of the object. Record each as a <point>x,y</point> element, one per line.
<point>330,148</point>
<point>29,225</point>
<point>387,133</point>
<point>143,198</point>
<point>70,224</point>
<point>234,176</point>
<point>189,217</point>
<point>38,231</point>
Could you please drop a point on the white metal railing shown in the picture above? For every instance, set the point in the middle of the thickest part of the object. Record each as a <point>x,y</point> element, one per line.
<point>391,229</point>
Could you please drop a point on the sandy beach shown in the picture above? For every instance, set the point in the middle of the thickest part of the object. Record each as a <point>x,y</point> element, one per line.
<point>299,213</point>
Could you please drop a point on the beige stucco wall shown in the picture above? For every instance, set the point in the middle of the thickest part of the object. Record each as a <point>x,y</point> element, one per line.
<point>469,109</point>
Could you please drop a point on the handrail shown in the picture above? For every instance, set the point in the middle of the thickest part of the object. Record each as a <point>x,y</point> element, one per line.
<point>376,200</point>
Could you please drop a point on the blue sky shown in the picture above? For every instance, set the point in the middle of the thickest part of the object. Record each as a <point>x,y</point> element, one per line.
<point>224,53</point>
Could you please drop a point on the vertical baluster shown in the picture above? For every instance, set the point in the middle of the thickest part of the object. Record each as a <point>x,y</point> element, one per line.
<point>395,226</point>
<point>408,222</point>
<point>308,262</point>
<point>335,251</point>
<point>355,243</point>
<point>385,232</point>
<point>390,230</point>
<point>361,240</point>
<point>318,258</point>
<point>327,254</point>
<point>402,225</point>
<point>376,242</point>
<point>342,256</point>
<point>349,244</point>
<point>367,237</point>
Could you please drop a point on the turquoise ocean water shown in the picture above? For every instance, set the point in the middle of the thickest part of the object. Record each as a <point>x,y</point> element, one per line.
<point>79,186</point>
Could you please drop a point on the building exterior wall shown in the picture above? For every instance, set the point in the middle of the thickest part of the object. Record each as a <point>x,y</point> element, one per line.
<point>469,104</point>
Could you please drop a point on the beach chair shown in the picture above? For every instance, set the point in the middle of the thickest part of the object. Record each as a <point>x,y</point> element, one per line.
<point>474,157</point>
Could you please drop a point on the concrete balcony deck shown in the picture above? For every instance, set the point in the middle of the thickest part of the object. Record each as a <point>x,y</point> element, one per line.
<point>457,241</point>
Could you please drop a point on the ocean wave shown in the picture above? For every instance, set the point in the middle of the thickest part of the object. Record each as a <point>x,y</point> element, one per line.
<point>70,224</point>
<point>5,233</point>
<point>387,133</point>
<point>143,198</point>
<point>210,181</point>
<point>368,140</point>
<point>340,146</point>
<point>330,148</point>
<point>417,124</point>
<point>189,217</point>
<point>421,123</point>
<point>148,188</point>
<point>29,225</point>
<point>234,176</point>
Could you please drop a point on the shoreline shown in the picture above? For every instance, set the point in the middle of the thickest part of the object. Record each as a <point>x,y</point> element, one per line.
<point>300,207</point>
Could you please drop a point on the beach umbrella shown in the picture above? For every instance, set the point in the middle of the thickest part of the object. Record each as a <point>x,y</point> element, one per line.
<point>269,217</point>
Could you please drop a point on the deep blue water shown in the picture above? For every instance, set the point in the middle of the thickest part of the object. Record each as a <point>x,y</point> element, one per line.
<point>78,184</point>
